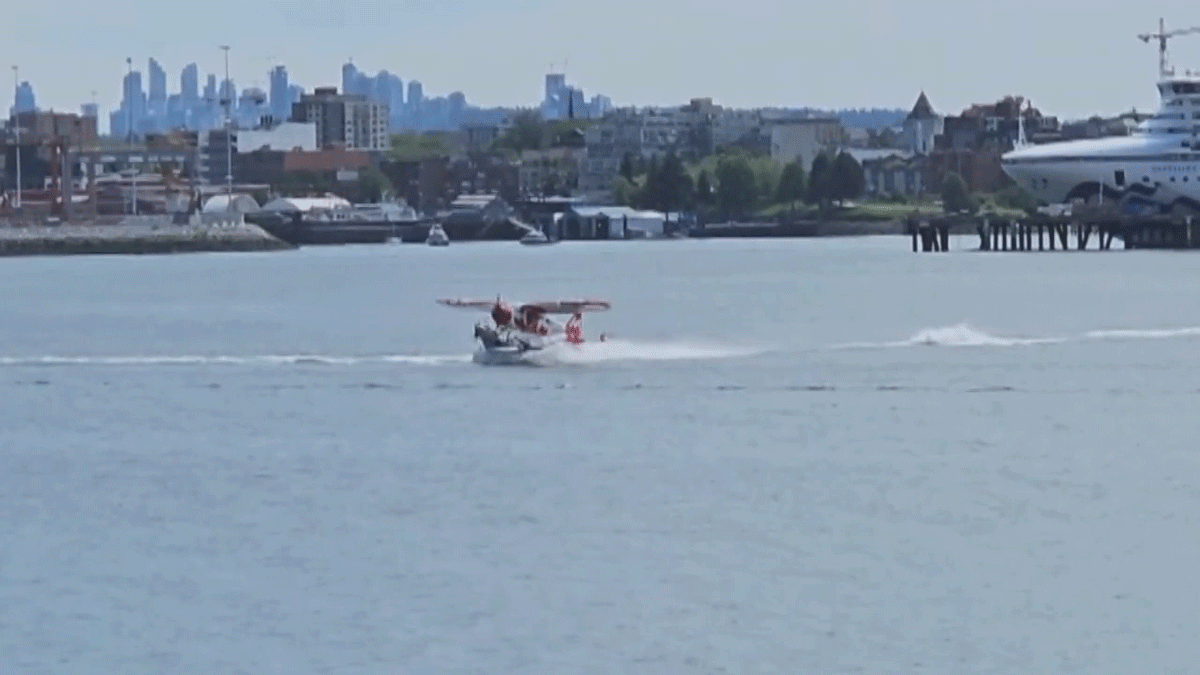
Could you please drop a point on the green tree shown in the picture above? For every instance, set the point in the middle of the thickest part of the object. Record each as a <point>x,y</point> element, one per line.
<point>626,170</point>
<point>413,146</point>
<point>819,179</point>
<point>703,188</point>
<point>625,192</point>
<point>791,183</point>
<point>528,132</point>
<point>736,185</point>
<point>373,185</point>
<point>767,174</point>
<point>1013,197</point>
<point>955,196</point>
<point>669,187</point>
<point>565,133</point>
<point>846,177</point>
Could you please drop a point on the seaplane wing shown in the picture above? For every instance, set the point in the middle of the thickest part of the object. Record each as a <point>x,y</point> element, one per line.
<point>569,306</point>
<point>462,303</point>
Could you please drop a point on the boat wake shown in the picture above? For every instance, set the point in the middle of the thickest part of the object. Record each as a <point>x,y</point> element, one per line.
<point>198,360</point>
<point>624,350</point>
<point>554,355</point>
<point>966,335</point>
<point>961,335</point>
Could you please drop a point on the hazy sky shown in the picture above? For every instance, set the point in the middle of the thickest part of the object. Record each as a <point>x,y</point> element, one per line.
<point>1070,57</point>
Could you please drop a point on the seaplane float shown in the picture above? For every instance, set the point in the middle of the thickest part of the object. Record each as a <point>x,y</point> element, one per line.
<point>516,331</point>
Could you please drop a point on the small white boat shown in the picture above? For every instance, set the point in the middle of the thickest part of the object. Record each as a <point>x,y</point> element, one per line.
<point>535,238</point>
<point>437,236</point>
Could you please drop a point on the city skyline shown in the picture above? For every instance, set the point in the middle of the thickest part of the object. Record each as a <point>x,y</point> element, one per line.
<point>154,101</point>
<point>856,55</point>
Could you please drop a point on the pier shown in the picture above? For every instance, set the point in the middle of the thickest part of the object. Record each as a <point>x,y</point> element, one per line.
<point>1079,232</point>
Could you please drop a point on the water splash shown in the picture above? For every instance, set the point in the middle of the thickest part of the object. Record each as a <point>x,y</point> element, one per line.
<point>966,335</point>
<point>613,350</point>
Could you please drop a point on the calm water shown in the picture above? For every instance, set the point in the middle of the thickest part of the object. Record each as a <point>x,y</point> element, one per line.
<point>793,456</point>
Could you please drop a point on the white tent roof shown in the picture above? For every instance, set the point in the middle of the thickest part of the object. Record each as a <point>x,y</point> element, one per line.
<point>302,204</point>
<point>221,204</point>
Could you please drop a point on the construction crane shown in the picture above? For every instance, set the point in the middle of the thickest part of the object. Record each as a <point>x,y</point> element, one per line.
<point>1162,36</point>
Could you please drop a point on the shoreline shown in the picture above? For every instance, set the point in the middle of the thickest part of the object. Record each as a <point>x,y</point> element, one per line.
<point>814,228</point>
<point>216,233</point>
<point>139,235</point>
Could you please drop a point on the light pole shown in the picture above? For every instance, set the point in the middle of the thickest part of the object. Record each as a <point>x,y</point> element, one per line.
<point>133,200</point>
<point>17,130</point>
<point>227,99</point>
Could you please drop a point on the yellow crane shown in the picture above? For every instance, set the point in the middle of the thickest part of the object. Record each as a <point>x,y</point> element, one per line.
<point>1162,36</point>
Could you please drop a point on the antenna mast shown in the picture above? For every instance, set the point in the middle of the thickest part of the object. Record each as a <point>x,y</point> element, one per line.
<point>1162,36</point>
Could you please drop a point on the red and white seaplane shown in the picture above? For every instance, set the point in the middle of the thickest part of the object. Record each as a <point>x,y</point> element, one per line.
<point>515,330</point>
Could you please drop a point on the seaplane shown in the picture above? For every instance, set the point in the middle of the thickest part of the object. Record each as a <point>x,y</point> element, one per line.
<point>516,330</point>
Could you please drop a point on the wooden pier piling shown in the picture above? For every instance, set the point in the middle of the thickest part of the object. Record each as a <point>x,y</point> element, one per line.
<point>1054,233</point>
<point>929,236</point>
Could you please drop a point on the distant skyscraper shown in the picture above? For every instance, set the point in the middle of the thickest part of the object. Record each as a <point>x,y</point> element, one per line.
<point>349,78</point>
<point>90,110</point>
<point>281,97</point>
<point>380,87</point>
<point>189,84</point>
<point>228,94</point>
<point>157,82</point>
<point>23,99</point>
<point>133,104</point>
<point>210,91</point>
<point>416,93</point>
<point>556,85</point>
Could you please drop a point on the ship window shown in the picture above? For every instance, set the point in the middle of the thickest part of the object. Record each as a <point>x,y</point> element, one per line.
<point>1119,178</point>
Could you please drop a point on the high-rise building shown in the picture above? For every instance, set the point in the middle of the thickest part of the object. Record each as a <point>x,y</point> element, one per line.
<point>189,84</point>
<point>133,107</point>
<point>157,83</point>
<point>210,89</point>
<point>23,99</point>
<point>351,121</point>
<point>281,99</point>
<point>349,78</point>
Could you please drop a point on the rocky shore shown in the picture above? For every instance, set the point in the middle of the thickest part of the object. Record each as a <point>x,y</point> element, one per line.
<point>135,235</point>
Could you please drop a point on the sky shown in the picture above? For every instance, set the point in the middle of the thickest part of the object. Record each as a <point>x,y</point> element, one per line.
<point>1071,58</point>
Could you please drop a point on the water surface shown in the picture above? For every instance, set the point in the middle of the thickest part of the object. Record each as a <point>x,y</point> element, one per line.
<point>823,456</point>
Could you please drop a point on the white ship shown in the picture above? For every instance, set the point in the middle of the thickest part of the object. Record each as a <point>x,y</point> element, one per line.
<point>1156,167</point>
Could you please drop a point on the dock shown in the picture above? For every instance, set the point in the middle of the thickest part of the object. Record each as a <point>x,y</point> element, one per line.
<point>1077,232</point>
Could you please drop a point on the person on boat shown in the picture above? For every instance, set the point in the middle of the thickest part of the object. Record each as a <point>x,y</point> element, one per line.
<point>574,329</point>
<point>528,319</point>
<point>502,315</point>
